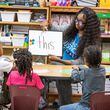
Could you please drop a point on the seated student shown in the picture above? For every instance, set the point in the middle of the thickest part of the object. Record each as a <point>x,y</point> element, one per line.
<point>93,78</point>
<point>5,66</point>
<point>23,73</point>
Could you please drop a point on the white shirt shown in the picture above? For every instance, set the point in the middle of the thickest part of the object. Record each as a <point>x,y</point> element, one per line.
<point>5,66</point>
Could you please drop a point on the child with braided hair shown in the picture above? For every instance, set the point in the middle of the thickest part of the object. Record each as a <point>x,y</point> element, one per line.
<point>23,74</point>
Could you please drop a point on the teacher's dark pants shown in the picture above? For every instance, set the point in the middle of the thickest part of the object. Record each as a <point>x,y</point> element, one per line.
<point>64,91</point>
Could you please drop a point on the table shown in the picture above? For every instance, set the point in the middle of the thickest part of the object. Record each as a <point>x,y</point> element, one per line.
<point>53,70</point>
<point>58,71</point>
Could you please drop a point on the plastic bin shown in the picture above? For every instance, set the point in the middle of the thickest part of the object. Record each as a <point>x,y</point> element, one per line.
<point>24,16</point>
<point>7,16</point>
<point>18,41</point>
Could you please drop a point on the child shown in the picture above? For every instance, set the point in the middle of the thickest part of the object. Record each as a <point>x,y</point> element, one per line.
<point>5,66</point>
<point>23,74</point>
<point>93,78</point>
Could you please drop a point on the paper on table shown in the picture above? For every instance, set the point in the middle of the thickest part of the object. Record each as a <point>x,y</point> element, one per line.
<point>41,71</point>
<point>37,63</point>
<point>65,71</point>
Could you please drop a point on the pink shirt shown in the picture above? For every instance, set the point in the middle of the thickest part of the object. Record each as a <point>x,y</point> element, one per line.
<point>15,79</point>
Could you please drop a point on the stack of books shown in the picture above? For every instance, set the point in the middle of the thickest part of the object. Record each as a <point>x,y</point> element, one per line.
<point>20,29</point>
<point>106,52</point>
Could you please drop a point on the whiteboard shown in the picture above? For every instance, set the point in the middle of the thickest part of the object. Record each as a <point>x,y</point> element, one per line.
<point>45,42</point>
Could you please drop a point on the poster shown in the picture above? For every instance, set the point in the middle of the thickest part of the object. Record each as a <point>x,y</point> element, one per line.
<point>45,42</point>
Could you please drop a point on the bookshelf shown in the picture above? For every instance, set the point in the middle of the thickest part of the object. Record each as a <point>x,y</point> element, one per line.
<point>49,11</point>
<point>33,9</point>
<point>72,9</point>
<point>23,23</point>
<point>12,47</point>
<point>14,25</point>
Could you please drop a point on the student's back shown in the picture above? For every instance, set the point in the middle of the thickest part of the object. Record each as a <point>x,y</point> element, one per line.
<point>23,73</point>
<point>16,79</point>
<point>93,78</point>
<point>92,81</point>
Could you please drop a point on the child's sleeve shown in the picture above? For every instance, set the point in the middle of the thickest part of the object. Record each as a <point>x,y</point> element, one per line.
<point>39,83</point>
<point>77,75</point>
<point>78,61</point>
<point>5,66</point>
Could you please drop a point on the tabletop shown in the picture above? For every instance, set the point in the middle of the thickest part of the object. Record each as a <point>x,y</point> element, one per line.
<point>47,70</point>
<point>53,70</point>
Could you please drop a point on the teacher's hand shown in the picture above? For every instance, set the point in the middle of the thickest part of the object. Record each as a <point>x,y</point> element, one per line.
<point>53,58</point>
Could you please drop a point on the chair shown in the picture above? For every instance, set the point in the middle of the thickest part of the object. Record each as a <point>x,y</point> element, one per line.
<point>100,101</point>
<point>24,97</point>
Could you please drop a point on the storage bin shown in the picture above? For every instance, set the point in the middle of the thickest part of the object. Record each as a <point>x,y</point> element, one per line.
<point>24,16</point>
<point>6,41</point>
<point>18,41</point>
<point>7,16</point>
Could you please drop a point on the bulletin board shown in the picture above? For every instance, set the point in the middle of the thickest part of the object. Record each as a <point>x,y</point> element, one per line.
<point>45,42</point>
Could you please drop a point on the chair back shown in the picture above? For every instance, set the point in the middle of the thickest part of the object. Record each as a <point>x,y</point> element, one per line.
<point>24,97</point>
<point>100,101</point>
